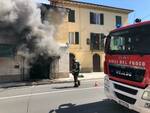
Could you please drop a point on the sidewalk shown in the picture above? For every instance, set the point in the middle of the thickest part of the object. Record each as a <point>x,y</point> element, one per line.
<point>82,76</point>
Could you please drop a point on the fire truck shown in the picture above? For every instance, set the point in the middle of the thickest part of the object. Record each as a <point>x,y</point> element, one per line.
<point>127,66</point>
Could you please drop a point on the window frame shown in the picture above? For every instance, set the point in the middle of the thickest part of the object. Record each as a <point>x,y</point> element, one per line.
<point>10,49</point>
<point>118,21</point>
<point>98,37</point>
<point>96,18</point>
<point>71,16</point>
<point>74,38</point>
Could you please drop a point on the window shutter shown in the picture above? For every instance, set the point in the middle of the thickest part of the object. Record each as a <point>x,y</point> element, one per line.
<point>97,42</point>
<point>91,41</point>
<point>69,35</point>
<point>118,21</point>
<point>71,38</point>
<point>102,19</point>
<point>102,41</point>
<point>92,21</point>
<point>98,21</point>
<point>76,37</point>
<point>71,16</point>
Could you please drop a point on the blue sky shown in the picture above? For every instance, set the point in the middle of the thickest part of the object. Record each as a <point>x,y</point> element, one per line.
<point>141,7</point>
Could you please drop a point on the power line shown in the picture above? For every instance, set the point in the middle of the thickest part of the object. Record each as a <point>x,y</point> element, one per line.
<point>146,16</point>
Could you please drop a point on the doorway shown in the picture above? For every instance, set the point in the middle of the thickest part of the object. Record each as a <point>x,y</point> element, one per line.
<point>40,68</point>
<point>71,57</point>
<point>96,63</point>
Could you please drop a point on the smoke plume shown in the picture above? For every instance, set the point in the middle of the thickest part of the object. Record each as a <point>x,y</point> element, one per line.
<point>34,33</point>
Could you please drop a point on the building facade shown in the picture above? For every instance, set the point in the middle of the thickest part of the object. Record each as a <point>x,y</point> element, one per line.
<point>81,35</point>
<point>18,58</point>
<point>84,29</point>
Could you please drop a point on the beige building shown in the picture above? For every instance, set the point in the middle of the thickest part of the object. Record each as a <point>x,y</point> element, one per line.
<point>81,32</point>
<point>83,29</point>
<point>18,58</point>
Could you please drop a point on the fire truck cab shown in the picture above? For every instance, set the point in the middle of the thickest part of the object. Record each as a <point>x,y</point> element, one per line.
<point>127,66</point>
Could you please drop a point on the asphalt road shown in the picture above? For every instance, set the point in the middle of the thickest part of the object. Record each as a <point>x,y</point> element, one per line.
<point>59,98</point>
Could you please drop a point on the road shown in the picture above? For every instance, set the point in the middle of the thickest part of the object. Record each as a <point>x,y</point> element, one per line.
<point>59,98</point>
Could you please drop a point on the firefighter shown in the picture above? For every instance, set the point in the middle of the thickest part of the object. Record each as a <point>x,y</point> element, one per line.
<point>75,72</point>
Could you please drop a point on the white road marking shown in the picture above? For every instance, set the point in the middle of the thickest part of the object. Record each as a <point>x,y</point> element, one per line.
<point>44,93</point>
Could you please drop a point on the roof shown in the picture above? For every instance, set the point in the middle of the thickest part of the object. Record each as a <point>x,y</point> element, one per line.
<point>93,5</point>
<point>132,26</point>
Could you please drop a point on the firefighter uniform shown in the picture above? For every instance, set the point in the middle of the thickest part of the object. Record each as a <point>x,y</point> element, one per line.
<point>75,72</point>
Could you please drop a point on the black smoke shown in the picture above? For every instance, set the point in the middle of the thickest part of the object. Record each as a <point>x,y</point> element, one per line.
<point>31,27</point>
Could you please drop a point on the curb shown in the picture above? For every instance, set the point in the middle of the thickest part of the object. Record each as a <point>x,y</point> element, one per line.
<point>19,84</point>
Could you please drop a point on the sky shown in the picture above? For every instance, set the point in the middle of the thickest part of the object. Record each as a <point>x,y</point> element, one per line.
<point>141,7</point>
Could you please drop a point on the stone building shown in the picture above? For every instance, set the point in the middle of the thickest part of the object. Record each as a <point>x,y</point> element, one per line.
<point>84,29</point>
<point>16,64</point>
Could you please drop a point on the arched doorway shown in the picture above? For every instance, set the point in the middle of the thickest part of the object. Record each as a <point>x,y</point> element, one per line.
<point>96,63</point>
<point>71,57</point>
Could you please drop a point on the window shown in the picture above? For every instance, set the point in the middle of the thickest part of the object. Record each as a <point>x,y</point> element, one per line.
<point>71,16</point>
<point>74,37</point>
<point>129,41</point>
<point>97,41</point>
<point>102,19</point>
<point>96,18</point>
<point>117,43</point>
<point>118,21</point>
<point>6,50</point>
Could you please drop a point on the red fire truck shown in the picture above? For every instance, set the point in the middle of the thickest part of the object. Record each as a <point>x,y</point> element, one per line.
<point>127,66</point>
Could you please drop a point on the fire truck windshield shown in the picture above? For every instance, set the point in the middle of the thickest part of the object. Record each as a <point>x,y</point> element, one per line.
<point>129,41</point>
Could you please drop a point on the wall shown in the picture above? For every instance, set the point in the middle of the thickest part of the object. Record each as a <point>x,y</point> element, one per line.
<point>11,69</point>
<point>83,26</point>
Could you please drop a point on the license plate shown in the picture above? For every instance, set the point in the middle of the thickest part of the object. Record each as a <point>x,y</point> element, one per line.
<point>124,103</point>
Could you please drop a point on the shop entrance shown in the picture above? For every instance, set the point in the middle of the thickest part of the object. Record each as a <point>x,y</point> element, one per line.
<point>40,68</point>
